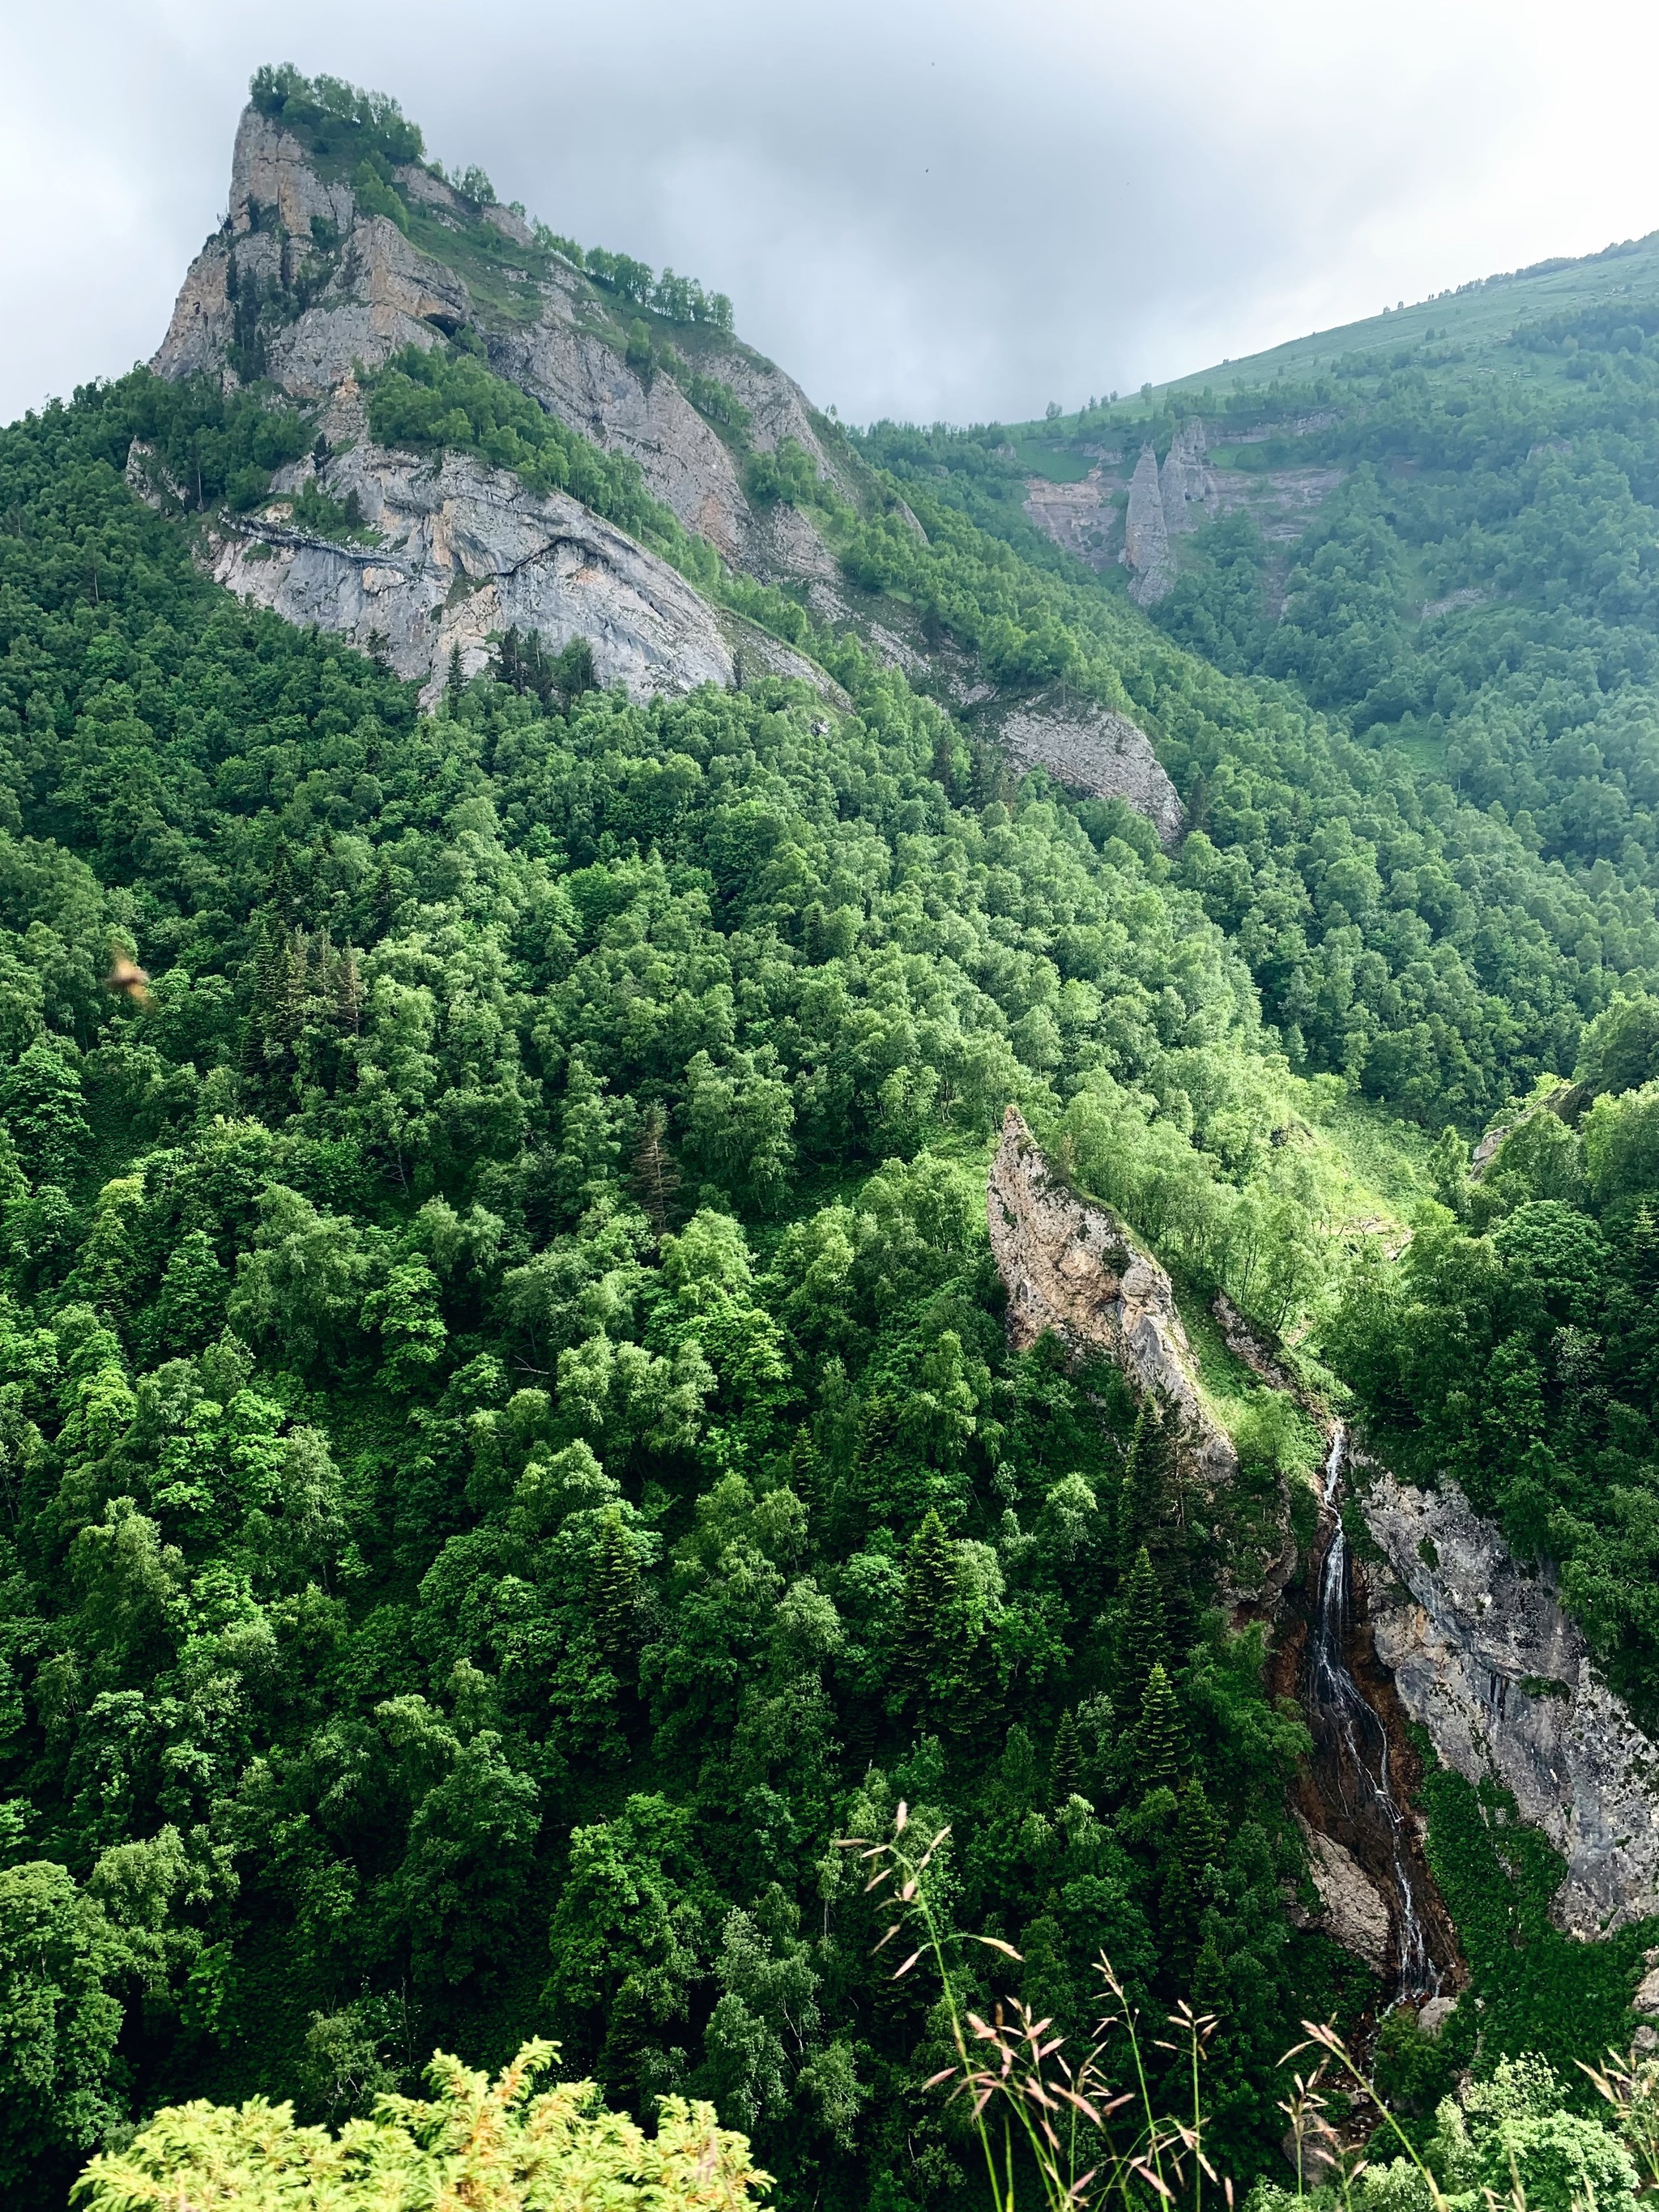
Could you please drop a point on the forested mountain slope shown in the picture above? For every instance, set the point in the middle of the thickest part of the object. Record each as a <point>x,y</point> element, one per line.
<point>511,1445</point>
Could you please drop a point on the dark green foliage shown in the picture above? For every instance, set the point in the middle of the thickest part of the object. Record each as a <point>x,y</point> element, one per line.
<point>1537,1988</point>
<point>1143,1640</point>
<point>1160,1738</point>
<point>1513,1346</point>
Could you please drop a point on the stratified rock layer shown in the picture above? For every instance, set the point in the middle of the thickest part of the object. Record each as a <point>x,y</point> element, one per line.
<point>1484,1658</point>
<point>1095,751</point>
<point>1075,1270</point>
<point>466,551</point>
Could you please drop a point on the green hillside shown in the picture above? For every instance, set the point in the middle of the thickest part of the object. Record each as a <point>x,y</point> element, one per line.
<point>1479,316</point>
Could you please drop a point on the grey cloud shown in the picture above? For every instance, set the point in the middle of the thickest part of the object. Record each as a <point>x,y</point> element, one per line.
<point>920,210</point>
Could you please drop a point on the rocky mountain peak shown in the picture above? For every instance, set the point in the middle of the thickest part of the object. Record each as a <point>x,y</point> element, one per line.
<point>332,260</point>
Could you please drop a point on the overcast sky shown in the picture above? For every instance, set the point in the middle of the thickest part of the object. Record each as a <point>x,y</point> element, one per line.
<point>920,210</point>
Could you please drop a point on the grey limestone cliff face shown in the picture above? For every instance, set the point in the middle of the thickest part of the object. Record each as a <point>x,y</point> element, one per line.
<point>1484,1658</point>
<point>1353,1911</point>
<point>586,383</point>
<point>268,169</point>
<point>1187,484</point>
<point>1074,1270</point>
<point>1093,749</point>
<point>464,551</point>
<point>1146,536</point>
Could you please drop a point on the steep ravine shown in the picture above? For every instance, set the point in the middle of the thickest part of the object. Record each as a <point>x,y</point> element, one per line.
<point>1444,1628</point>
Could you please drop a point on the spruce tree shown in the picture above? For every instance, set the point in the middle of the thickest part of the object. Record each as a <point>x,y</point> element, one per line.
<point>930,1581</point>
<point>1160,1737</point>
<point>1066,1763</point>
<point>1146,1492</point>
<point>1199,1840</point>
<point>806,1478</point>
<point>613,1590</point>
<point>1143,1640</point>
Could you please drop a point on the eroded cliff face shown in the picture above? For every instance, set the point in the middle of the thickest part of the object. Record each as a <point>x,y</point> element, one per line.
<point>1075,1270</point>
<point>1483,1655</point>
<point>464,552</point>
<point>586,382</point>
<point>1093,749</point>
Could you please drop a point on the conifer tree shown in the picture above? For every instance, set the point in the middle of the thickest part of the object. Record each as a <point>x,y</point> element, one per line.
<point>1146,1492</point>
<point>805,1476</point>
<point>1143,1640</point>
<point>1199,1841</point>
<point>613,1591</point>
<point>930,1577</point>
<point>1160,1737</point>
<point>1065,1765</point>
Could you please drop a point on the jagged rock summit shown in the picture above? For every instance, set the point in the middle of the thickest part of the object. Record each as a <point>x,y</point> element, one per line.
<point>326,267</point>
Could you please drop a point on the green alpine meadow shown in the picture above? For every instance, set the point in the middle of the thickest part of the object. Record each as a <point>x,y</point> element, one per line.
<point>829,1256</point>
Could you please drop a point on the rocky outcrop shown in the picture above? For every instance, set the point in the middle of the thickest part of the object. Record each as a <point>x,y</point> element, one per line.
<point>465,550</point>
<point>1074,1271</point>
<point>1187,485</point>
<point>1146,536</point>
<point>780,409</point>
<point>584,381</point>
<point>384,293</point>
<point>1566,1101</point>
<point>1483,1655</point>
<point>1353,1911</point>
<point>202,317</point>
<point>270,171</point>
<point>1093,749</point>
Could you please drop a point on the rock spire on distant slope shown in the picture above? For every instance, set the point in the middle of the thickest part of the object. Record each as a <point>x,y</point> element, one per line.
<point>1163,503</point>
<point>1145,534</point>
<point>1187,485</point>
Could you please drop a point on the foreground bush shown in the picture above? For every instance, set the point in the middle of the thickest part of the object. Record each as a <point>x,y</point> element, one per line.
<point>491,2146</point>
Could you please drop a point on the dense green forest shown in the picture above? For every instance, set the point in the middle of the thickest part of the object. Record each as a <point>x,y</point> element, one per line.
<point>508,1442</point>
<point>508,1423</point>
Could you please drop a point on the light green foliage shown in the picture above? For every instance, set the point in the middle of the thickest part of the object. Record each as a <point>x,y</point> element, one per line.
<point>474,2142</point>
<point>1506,2139</point>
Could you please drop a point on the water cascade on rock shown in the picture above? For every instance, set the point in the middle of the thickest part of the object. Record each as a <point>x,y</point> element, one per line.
<point>1352,1735</point>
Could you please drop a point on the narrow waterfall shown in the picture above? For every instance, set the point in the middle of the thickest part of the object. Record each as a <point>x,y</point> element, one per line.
<point>1357,1742</point>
